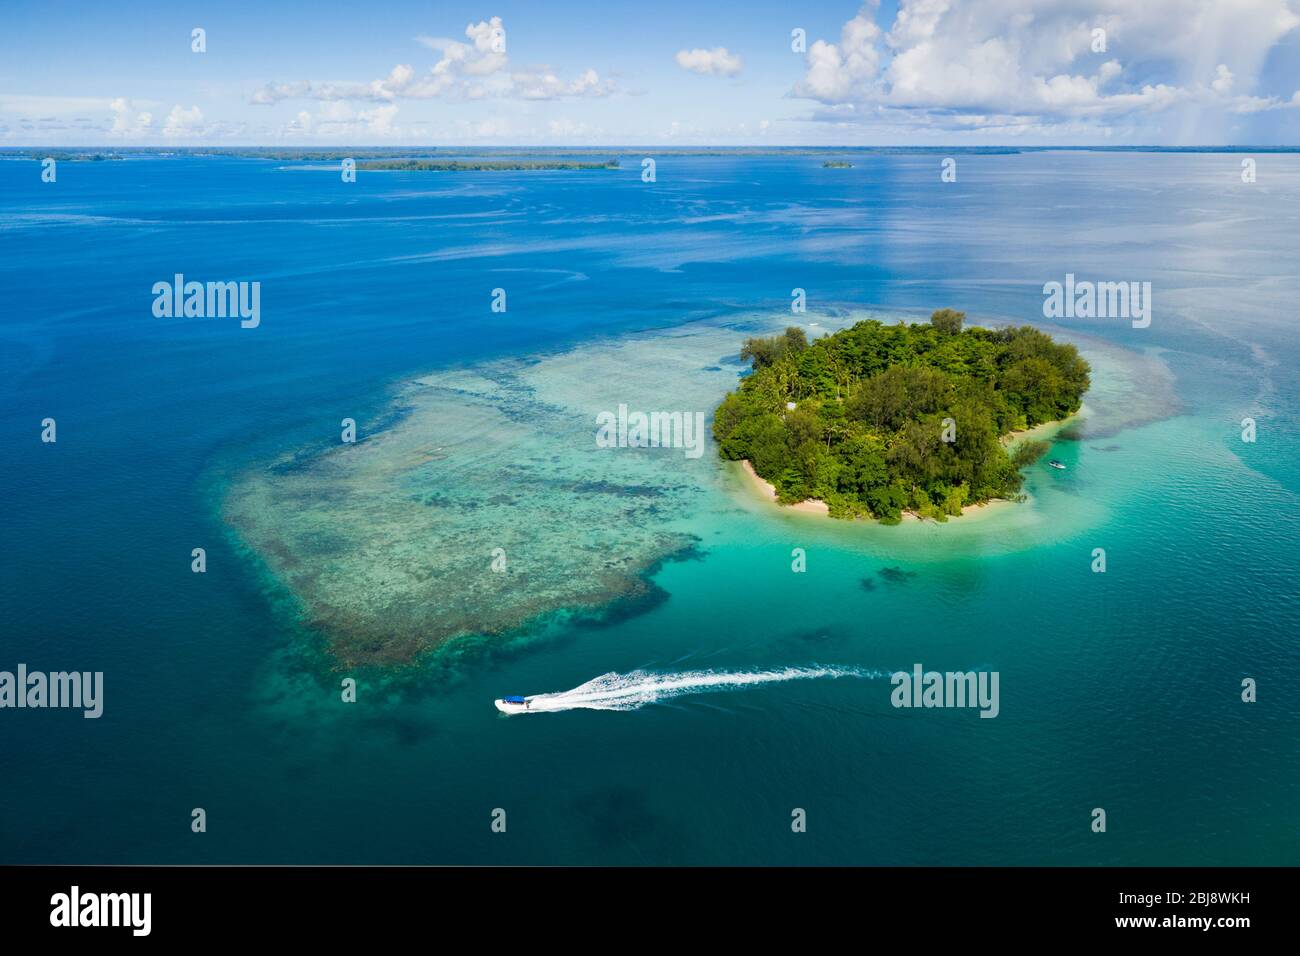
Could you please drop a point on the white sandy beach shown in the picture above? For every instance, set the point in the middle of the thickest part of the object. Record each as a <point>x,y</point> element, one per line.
<point>765,490</point>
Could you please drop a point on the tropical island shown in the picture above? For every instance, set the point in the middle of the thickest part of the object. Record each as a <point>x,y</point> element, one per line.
<point>67,156</point>
<point>880,420</point>
<point>459,166</point>
<point>836,164</point>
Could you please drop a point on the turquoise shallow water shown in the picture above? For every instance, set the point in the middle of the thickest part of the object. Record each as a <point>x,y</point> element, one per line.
<point>1118,690</point>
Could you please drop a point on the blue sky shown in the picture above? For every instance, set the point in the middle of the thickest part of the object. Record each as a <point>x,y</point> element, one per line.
<point>929,72</point>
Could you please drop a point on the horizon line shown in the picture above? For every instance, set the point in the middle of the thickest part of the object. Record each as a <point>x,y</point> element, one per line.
<point>1015,147</point>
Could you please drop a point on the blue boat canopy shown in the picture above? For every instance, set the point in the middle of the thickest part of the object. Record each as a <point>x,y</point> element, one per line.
<point>513,700</point>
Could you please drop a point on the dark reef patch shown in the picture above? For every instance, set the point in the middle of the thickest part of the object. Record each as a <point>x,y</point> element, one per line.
<point>896,575</point>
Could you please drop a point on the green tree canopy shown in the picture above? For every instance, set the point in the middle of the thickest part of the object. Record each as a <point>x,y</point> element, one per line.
<point>764,352</point>
<point>900,417</point>
<point>948,321</point>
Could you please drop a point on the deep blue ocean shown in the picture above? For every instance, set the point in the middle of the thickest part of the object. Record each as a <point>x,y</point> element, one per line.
<point>1120,691</point>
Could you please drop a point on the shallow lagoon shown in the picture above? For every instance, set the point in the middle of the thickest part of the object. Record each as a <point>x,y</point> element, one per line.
<point>489,501</point>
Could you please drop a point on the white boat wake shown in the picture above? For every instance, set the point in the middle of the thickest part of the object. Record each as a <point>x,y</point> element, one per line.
<point>635,689</point>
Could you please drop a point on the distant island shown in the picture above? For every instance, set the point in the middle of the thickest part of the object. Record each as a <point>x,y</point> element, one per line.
<point>836,164</point>
<point>457,166</point>
<point>65,156</point>
<point>877,420</point>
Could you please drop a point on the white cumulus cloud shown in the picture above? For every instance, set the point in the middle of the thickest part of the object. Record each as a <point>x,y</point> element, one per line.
<point>716,62</point>
<point>127,120</point>
<point>183,122</point>
<point>478,69</point>
<point>963,64</point>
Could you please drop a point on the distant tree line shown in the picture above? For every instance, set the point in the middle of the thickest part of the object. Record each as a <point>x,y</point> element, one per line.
<point>457,166</point>
<point>880,419</point>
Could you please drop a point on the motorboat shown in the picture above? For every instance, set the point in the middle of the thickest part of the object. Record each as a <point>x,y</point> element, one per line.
<point>512,705</point>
